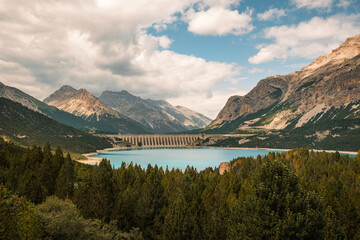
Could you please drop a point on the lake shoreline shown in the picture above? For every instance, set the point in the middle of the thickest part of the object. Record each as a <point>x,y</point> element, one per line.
<point>94,160</point>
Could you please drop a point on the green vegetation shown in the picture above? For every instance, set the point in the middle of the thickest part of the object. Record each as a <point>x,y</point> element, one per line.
<point>329,135</point>
<point>292,195</point>
<point>28,128</point>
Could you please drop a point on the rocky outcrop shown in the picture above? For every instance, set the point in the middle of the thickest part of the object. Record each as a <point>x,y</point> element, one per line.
<point>266,93</point>
<point>328,88</point>
<point>224,167</point>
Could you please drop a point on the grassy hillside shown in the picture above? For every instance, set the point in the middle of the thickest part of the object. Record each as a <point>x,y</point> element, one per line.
<point>28,128</point>
<point>329,135</point>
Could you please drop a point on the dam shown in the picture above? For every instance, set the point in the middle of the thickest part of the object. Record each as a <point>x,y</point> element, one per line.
<point>157,140</point>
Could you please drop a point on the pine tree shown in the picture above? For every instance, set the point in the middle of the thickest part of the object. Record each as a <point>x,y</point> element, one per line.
<point>278,208</point>
<point>31,188</point>
<point>57,162</point>
<point>45,173</point>
<point>103,190</point>
<point>64,187</point>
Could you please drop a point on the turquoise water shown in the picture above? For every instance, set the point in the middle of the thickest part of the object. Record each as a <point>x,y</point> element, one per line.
<point>199,158</point>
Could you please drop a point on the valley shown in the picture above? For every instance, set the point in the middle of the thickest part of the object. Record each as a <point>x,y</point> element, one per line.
<point>205,120</point>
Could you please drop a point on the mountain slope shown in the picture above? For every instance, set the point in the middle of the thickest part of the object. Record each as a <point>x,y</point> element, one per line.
<point>327,89</point>
<point>83,104</point>
<point>29,127</point>
<point>160,116</point>
<point>34,104</point>
<point>330,135</point>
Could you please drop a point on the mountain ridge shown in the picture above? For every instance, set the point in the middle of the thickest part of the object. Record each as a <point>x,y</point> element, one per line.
<point>34,104</point>
<point>29,127</point>
<point>325,87</point>
<point>158,115</point>
<point>85,105</point>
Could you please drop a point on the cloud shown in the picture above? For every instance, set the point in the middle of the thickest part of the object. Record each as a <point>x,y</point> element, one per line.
<point>307,39</point>
<point>219,21</point>
<point>218,3</point>
<point>255,70</point>
<point>311,4</point>
<point>344,3</point>
<point>102,45</point>
<point>211,105</point>
<point>271,14</point>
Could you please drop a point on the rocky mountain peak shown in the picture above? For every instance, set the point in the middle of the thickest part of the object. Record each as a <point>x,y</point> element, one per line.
<point>328,88</point>
<point>349,49</point>
<point>159,115</point>
<point>64,92</point>
<point>67,88</point>
<point>79,102</point>
<point>84,94</point>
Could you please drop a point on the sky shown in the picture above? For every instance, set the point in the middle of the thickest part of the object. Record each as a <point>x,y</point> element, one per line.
<point>194,53</point>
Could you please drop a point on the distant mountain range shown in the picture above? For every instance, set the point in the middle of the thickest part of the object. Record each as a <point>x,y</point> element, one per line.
<point>159,116</point>
<point>114,112</point>
<point>327,89</point>
<point>29,127</point>
<point>100,117</point>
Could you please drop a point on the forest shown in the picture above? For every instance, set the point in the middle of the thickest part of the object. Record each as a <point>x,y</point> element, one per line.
<point>299,194</point>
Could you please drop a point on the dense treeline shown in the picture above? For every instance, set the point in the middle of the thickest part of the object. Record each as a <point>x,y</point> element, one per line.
<point>291,195</point>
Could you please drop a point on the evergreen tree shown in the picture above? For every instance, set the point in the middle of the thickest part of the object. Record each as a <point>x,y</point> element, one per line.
<point>150,201</point>
<point>103,190</point>
<point>278,209</point>
<point>64,187</point>
<point>45,174</point>
<point>57,162</point>
<point>31,188</point>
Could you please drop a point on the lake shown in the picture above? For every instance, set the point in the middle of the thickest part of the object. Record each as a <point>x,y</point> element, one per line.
<point>178,157</point>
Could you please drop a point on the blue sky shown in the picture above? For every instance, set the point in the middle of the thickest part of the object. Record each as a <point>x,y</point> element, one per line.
<point>195,53</point>
<point>237,49</point>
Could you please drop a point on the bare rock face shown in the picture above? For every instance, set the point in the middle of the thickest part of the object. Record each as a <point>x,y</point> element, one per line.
<point>267,92</point>
<point>154,116</point>
<point>100,116</point>
<point>327,88</point>
<point>80,103</point>
<point>160,116</point>
<point>224,167</point>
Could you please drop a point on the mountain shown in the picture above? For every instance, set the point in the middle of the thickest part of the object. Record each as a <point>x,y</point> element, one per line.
<point>29,127</point>
<point>34,104</point>
<point>160,116</point>
<point>342,135</point>
<point>327,89</point>
<point>85,105</point>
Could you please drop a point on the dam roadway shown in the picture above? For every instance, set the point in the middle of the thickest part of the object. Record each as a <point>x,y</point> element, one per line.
<point>163,140</point>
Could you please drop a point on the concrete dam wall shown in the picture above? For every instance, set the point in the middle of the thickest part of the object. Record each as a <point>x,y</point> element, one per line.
<point>159,140</point>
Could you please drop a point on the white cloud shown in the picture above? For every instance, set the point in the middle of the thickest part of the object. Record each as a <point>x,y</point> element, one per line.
<point>219,21</point>
<point>307,39</point>
<point>101,45</point>
<point>311,4</point>
<point>211,105</point>
<point>255,70</point>
<point>344,3</point>
<point>218,3</point>
<point>271,14</point>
